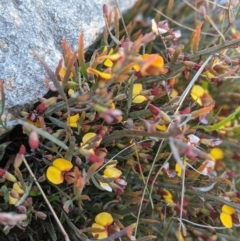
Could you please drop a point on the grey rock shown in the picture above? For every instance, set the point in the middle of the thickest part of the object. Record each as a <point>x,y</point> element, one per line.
<point>41,25</point>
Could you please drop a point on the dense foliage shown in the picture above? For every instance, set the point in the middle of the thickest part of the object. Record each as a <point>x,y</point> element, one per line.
<point>135,141</point>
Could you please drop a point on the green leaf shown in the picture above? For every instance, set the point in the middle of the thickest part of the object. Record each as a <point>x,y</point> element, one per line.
<point>59,106</point>
<point>221,123</point>
<point>3,147</point>
<point>51,230</point>
<point>53,197</point>
<point>34,193</point>
<point>58,122</point>
<point>4,190</point>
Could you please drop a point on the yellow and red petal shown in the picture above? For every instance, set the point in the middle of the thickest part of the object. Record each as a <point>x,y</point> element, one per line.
<point>62,164</point>
<point>54,175</point>
<point>100,234</point>
<point>105,219</point>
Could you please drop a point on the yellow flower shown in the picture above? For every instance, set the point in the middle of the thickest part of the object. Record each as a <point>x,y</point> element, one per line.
<point>18,188</point>
<point>102,221</point>
<point>55,173</point>
<point>161,127</point>
<point>136,97</point>
<point>99,234</point>
<point>71,92</point>
<point>178,168</point>
<point>110,172</point>
<point>167,196</point>
<point>226,217</point>
<point>86,141</point>
<point>196,93</point>
<point>12,200</point>
<point>217,154</point>
<point>101,75</point>
<point>110,58</point>
<point>73,120</point>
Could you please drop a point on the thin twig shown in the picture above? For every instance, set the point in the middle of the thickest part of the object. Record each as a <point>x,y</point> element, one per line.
<point>120,12</point>
<point>180,25</point>
<point>46,200</point>
<point>146,185</point>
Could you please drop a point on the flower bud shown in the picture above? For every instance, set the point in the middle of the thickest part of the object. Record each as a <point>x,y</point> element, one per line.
<point>13,194</point>
<point>187,110</point>
<point>2,172</point>
<point>78,161</point>
<point>2,179</point>
<point>29,201</point>
<point>111,116</point>
<point>12,200</point>
<point>149,37</point>
<point>42,178</point>
<point>17,188</point>
<point>18,161</point>
<point>41,215</point>
<point>10,177</point>
<point>165,117</point>
<point>22,209</point>
<point>155,91</point>
<point>120,97</point>
<point>41,107</point>
<point>49,157</point>
<point>89,155</point>
<point>154,110</point>
<point>33,140</point>
<point>22,150</point>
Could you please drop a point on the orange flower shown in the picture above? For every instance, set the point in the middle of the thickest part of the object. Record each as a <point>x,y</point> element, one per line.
<point>62,73</point>
<point>102,75</point>
<point>153,65</point>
